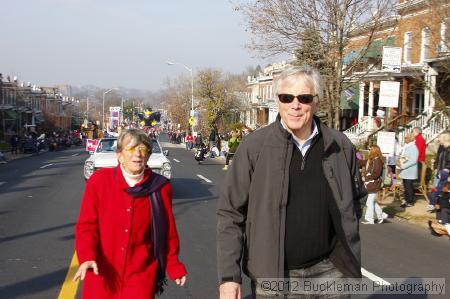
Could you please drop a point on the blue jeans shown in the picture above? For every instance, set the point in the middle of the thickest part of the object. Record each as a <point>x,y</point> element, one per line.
<point>372,208</point>
<point>323,269</point>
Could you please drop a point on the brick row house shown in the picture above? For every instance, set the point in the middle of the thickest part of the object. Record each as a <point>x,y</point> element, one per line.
<point>25,108</point>
<point>421,29</point>
<point>261,104</point>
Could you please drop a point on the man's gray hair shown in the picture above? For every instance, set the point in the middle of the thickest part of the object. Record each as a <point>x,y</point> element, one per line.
<point>133,137</point>
<point>309,74</point>
<point>418,129</point>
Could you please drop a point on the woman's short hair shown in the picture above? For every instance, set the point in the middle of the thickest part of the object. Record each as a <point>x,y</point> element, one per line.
<point>309,74</point>
<point>410,137</point>
<point>133,137</point>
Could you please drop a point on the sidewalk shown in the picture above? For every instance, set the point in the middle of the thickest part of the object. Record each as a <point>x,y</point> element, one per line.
<point>9,157</point>
<point>417,214</point>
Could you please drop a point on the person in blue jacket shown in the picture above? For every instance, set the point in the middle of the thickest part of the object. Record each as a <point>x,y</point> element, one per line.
<point>409,169</point>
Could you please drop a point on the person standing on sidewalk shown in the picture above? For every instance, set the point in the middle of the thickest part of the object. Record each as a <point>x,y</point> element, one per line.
<point>372,182</point>
<point>212,138</point>
<point>189,141</point>
<point>233,144</point>
<point>14,144</point>
<point>290,206</point>
<point>408,169</point>
<point>422,148</point>
<point>420,144</point>
<point>441,165</point>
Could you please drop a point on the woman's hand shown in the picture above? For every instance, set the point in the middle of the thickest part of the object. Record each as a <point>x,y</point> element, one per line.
<point>181,281</point>
<point>84,267</point>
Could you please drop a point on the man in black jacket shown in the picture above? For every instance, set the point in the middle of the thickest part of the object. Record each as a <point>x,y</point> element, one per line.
<point>289,207</point>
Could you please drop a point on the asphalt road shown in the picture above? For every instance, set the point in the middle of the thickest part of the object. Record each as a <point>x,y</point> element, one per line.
<point>39,203</point>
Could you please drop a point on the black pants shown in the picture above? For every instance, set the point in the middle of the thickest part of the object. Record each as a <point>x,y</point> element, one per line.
<point>229,157</point>
<point>409,190</point>
<point>443,215</point>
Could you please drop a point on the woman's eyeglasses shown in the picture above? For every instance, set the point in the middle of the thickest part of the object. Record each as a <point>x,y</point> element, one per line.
<point>302,98</point>
<point>142,150</point>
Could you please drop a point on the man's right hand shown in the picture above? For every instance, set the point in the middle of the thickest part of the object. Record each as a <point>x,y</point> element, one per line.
<point>230,290</point>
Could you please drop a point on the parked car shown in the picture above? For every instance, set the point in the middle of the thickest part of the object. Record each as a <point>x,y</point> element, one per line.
<point>104,155</point>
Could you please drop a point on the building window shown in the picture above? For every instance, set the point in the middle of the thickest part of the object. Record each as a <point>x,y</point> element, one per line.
<point>425,44</point>
<point>419,101</point>
<point>407,47</point>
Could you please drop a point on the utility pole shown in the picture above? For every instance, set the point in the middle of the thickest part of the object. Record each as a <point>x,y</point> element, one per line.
<point>87,108</point>
<point>121,111</point>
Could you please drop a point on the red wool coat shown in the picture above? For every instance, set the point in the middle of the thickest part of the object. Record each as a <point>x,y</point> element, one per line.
<point>421,147</point>
<point>113,229</point>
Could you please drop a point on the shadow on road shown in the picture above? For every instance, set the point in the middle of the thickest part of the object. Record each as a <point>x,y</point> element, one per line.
<point>185,188</point>
<point>36,232</point>
<point>25,288</point>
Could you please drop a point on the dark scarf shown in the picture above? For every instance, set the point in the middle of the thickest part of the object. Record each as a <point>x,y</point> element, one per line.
<point>151,188</point>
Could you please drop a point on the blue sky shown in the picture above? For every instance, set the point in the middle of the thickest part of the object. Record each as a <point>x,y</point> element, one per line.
<point>119,43</point>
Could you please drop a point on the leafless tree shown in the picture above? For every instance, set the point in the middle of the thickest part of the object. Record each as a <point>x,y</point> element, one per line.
<point>317,32</point>
<point>177,99</point>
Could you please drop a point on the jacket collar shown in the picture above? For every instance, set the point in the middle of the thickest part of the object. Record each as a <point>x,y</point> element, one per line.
<point>327,133</point>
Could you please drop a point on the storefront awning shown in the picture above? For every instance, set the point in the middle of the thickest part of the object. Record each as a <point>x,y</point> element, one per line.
<point>39,118</point>
<point>374,50</point>
<point>10,114</point>
<point>350,96</point>
<point>76,121</point>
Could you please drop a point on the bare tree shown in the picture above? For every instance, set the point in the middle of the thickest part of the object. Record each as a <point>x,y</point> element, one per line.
<point>316,32</point>
<point>177,99</point>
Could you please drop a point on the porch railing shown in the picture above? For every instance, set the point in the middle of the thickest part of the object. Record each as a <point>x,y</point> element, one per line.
<point>358,129</point>
<point>438,124</point>
<point>431,126</point>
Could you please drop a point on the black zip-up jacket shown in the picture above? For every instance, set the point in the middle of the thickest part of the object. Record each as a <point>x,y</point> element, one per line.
<point>252,205</point>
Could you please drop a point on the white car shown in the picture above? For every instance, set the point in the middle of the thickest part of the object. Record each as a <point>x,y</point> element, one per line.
<point>104,155</point>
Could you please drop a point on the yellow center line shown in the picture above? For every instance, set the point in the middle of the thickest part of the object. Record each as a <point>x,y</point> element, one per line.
<point>70,287</point>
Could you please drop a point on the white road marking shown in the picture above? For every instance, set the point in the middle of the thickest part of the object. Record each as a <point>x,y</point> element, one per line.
<point>176,160</point>
<point>373,277</point>
<point>203,178</point>
<point>46,165</point>
<point>75,154</point>
<point>1,183</point>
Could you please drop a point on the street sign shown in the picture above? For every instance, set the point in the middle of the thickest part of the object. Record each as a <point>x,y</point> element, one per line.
<point>392,59</point>
<point>114,109</point>
<point>386,142</point>
<point>191,120</point>
<point>389,94</point>
<point>91,144</point>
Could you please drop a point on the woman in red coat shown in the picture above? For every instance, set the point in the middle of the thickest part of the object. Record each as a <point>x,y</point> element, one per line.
<point>126,237</point>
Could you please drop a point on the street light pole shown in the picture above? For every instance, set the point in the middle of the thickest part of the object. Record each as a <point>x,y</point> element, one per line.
<point>192,84</point>
<point>87,108</point>
<point>103,110</point>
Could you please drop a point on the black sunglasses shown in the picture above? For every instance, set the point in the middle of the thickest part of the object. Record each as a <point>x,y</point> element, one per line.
<point>302,98</point>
